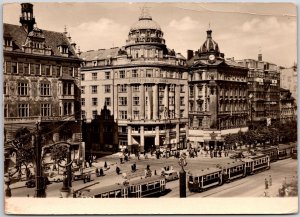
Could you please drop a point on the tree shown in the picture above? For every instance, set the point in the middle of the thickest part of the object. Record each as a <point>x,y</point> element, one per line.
<point>23,148</point>
<point>230,140</point>
<point>58,154</point>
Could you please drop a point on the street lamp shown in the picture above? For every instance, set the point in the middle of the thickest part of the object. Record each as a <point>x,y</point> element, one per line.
<point>65,190</point>
<point>182,175</point>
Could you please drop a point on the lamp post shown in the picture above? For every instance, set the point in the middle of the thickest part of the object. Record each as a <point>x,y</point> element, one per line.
<point>182,176</point>
<point>40,181</point>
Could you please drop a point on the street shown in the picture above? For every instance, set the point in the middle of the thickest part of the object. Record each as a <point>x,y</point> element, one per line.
<point>246,187</point>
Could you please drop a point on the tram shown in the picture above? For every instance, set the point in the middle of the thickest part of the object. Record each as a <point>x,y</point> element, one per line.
<point>201,180</point>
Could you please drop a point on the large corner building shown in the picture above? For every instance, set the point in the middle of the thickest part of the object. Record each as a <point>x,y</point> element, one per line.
<point>143,84</point>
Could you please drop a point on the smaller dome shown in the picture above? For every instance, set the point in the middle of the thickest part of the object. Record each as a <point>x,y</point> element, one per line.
<point>209,45</point>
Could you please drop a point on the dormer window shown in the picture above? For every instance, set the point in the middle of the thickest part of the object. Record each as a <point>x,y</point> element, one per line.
<point>7,42</point>
<point>63,49</point>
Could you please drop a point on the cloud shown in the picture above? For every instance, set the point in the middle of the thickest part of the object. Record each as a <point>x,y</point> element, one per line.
<point>103,33</point>
<point>184,24</point>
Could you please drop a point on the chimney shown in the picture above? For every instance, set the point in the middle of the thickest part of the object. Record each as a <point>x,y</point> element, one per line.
<point>26,19</point>
<point>259,57</point>
<point>190,54</point>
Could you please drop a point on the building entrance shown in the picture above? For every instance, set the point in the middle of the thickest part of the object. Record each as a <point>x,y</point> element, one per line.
<point>149,144</point>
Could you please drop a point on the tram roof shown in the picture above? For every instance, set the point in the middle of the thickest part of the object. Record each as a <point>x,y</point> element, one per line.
<point>253,157</point>
<point>232,164</point>
<point>106,189</point>
<point>202,172</point>
<point>145,180</point>
<point>284,146</point>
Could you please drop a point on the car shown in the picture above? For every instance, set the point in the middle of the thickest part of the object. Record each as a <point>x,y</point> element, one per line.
<point>170,175</point>
<point>32,182</point>
<point>56,178</point>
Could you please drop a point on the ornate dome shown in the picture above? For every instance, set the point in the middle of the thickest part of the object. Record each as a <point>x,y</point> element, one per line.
<point>145,22</point>
<point>209,45</point>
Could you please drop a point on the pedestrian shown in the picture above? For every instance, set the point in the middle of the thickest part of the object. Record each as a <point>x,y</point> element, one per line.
<point>118,170</point>
<point>270,180</point>
<point>266,183</point>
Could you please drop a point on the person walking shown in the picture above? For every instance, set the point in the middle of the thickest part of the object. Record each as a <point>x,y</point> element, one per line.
<point>266,183</point>
<point>270,180</point>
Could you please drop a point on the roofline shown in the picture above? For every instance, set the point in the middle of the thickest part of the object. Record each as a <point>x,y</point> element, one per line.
<point>12,53</point>
<point>131,66</point>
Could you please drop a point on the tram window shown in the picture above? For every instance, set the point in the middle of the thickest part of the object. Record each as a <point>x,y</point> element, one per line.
<point>151,186</point>
<point>191,178</point>
<point>144,187</point>
<point>112,194</point>
<point>156,184</point>
<point>118,193</point>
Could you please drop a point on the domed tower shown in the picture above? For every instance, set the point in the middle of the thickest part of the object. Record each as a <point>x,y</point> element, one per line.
<point>210,49</point>
<point>145,38</point>
<point>27,20</point>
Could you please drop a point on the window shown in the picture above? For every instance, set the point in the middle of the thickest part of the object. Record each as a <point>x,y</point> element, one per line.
<point>23,89</point>
<point>107,101</point>
<point>94,101</point>
<point>182,101</point>
<point>134,73</point>
<point>161,74</point>
<point>122,74</point>
<point>191,90</point>
<point>36,69</point>
<point>171,100</point>
<point>67,88</point>
<point>135,88</point>
<point>82,89</point>
<point>45,109</point>
<point>45,89</point>
<point>94,89</point>
<point>14,68</point>
<point>6,111</point>
<point>123,115</point>
<point>181,88</point>
<point>107,75</point>
<point>71,71</point>
<point>122,100</point>
<point>48,70</point>
<point>83,114</point>
<point>149,73</point>
<point>23,110</point>
<point>4,88</point>
<point>160,100</point>
<point>26,68</point>
<point>82,101</point>
<point>82,77</point>
<point>107,88</point>
<point>122,88</point>
<point>161,87</point>
<point>136,100</point>
<point>94,113</point>
<point>172,88</point>
<point>136,114</point>
<point>94,76</point>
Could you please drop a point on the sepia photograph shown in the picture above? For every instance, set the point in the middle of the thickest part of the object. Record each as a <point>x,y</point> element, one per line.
<point>150,108</point>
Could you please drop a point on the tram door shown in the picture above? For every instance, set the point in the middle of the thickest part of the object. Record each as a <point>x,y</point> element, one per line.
<point>138,191</point>
<point>162,185</point>
<point>125,192</point>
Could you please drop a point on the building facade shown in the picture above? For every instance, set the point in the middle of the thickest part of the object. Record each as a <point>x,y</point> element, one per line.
<point>218,95</point>
<point>288,80</point>
<point>264,90</point>
<point>143,84</point>
<point>288,107</point>
<point>40,82</point>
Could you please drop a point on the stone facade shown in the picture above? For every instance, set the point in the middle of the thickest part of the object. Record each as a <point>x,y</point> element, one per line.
<point>40,80</point>
<point>143,84</point>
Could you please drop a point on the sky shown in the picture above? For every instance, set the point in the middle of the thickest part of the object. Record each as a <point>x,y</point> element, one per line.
<point>240,29</point>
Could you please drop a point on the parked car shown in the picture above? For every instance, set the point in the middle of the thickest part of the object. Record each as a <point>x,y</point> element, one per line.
<point>32,182</point>
<point>56,178</point>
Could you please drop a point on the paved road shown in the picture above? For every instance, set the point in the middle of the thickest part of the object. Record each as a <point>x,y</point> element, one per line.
<point>53,190</point>
<point>251,186</point>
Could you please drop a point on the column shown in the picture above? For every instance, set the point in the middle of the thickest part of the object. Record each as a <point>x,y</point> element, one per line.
<point>177,135</point>
<point>156,142</point>
<point>186,101</point>
<point>142,101</point>
<point>129,138</point>
<point>155,102</point>
<point>129,102</point>
<point>177,101</point>
<point>142,139</point>
<point>166,97</point>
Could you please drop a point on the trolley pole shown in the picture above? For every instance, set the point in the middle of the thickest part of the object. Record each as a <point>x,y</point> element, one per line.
<point>182,176</point>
